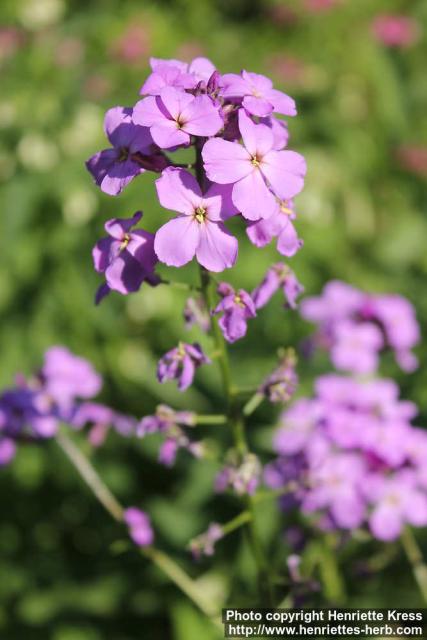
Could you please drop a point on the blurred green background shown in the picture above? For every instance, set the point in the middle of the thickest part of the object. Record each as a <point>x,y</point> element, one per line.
<point>362,215</point>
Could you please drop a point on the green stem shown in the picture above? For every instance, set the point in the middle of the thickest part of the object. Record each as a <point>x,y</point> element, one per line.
<point>211,420</point>
<point>253,403</point>
<point>415,557</point>
<point>168,566</point>
<point>179,285</point>
<point>243,518</point>
<point>90,476</point>
<point>183,581</point>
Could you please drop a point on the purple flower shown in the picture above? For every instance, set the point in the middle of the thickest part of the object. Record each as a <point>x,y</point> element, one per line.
<point>259,97</point>
<point>250,167</point>
<point>132,153</point>
<point>7,450</point>
<point>281,385</point>
<point>169,422</point>
<point>174,73</point>
<point>67,377</point>
<point>181,363</point>
<point>173,116</point>
<point>139,525</point>
<point>199,230</point>
<point>356,347</point>
<point>278,276</point>
<point>280,226</point>
<point>204,545</point>
<point>397,501</point>
<point>26,411</point>
<point>164,420</point>
<point>237,307</point>
<point>101,418</point>
<point>398,320</point>
<point>243,477</point>
<point>126,257</point>
<point>356,326</point>
<point>336,486</point>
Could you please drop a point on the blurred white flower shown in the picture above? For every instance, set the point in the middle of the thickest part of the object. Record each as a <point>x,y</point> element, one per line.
<point>37,152</point>
<point>79,207</point>
<point>84,131</point>
<point>37,14</point>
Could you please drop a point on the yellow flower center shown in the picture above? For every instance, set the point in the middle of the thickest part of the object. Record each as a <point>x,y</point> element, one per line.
<point>125,241</point>
<point>200,214</point>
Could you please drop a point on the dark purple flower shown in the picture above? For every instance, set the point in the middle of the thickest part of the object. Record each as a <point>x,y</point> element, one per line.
<point>278,276</point>
<point>126,257</point>
<point>132,152</point>
<point>140,529</point>
<point>181,363</point>
<point>237,307</point>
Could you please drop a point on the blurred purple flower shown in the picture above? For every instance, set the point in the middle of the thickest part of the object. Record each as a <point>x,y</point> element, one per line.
<point>140,529</point>
<point>278,276</point>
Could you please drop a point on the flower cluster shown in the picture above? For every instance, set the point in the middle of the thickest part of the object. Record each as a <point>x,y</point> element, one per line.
<point>242,166</point>
<point>355,457</point>
<point>355,327</point>
<point>60,392</point>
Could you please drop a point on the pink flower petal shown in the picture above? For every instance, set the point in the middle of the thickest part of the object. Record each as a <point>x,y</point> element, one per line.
<point>281,102</point>
<point>226,162</point>
<point>252,197</point>
<point>257,138</point>
<point>288,242</point>
<point>166,134</point>
<point>176,242</point>
<point>217,248</point>
<point>175,101</point>
<point>201,117</point>
<point>257,106</point>
<point>285,170</point>
<point>178,190</point>
<point>147,112</point>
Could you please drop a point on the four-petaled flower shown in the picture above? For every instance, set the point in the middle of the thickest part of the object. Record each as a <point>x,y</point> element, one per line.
<point>132,153</point>
<point>278,276</point>
<point>173,116</point>
<point>279,226</point>
<point>181,363</point>
<point>237,307</point>
<point>259,97</point>
<point>199,230</point>
<point>259,173</point>
<point>126,257</point>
